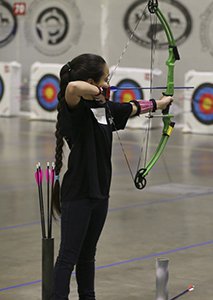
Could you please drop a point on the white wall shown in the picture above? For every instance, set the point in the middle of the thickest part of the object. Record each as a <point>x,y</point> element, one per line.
<point>97,26</point>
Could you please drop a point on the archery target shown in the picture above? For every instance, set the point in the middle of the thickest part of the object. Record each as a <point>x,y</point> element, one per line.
<point>46,92</point>
<point>198,103</point>
<point>1,88</point>
<point>128,89</point>
<point>44,88</point>
<point>10,89</point>
<point>202,103</point>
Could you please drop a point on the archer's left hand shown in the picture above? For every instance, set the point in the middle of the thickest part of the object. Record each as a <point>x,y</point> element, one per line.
<point>164,102</point>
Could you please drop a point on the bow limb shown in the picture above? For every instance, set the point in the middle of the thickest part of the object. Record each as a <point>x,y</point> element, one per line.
<point>140,180</point>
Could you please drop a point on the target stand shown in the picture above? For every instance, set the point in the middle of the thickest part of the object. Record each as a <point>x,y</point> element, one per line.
<point>130,83</point>
<point>44,87</point>
<point>10,89</point>
<point>198,103</point>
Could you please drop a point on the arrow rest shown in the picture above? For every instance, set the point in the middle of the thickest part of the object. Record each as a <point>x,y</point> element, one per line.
<point>140,180</point>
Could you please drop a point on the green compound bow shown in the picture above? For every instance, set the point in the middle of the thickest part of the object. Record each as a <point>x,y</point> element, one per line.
<point>140,177</point>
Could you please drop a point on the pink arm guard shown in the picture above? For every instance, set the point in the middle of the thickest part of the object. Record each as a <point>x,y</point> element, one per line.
<point>146,106</point>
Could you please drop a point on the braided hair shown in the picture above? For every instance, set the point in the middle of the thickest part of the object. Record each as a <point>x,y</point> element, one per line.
<point>83,67</point>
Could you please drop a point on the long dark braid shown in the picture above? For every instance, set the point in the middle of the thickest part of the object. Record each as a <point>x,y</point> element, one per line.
<point>58,166</point>
<point>82,67</point>
<point>64,80</point>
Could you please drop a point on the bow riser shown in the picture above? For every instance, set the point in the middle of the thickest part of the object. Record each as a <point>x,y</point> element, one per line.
<point>173,56</point>
<point>170,77</point>
<point>173,53</point>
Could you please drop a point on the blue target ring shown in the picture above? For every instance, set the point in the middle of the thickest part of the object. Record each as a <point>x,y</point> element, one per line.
<point>1,88</point>
<point>202,103</point>
<point>128,90</point>
<point>46,92</point>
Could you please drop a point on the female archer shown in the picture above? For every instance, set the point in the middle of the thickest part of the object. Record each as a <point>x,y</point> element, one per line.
<point>86,120</point>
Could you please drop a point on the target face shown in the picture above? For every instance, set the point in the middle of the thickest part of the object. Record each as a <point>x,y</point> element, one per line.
<point>1,88</point>
<point>128,90</point>
<point>202,103</point>
<point>46,92</point>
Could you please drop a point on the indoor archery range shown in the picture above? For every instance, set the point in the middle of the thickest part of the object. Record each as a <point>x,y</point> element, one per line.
<point>157,242</point>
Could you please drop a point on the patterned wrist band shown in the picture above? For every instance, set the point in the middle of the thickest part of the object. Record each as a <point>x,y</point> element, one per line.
<point>137,104</point>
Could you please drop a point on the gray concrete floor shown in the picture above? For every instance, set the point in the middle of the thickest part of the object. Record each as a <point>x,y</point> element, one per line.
<point>172,217</point>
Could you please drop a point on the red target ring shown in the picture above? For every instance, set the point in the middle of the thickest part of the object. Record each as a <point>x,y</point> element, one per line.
<point>206,103</point>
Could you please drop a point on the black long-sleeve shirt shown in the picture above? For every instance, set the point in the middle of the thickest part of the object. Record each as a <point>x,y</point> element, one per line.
<point>88,130</point>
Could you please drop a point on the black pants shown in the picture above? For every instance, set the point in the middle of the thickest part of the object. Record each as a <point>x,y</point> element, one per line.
<point>81,225</point>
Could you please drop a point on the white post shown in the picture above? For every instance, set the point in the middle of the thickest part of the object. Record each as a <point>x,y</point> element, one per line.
<point>162,277</point>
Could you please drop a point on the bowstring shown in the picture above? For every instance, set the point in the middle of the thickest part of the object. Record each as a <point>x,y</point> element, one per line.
<point>128,42</point>
<point>153,22</point>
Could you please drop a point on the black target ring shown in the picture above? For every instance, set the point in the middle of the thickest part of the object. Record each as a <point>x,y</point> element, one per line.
<point>1,88</point>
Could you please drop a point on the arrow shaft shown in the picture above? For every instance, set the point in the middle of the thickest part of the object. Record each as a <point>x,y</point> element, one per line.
<point>115,89</point>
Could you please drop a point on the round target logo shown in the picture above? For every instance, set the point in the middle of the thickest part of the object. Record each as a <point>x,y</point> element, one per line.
<point>127,90</point>
<point>138,26</point>
<point>47,91</point>
<point>202,103</point>
<point>1,88</point>
<point>8,23</point>
<point>53,26</point>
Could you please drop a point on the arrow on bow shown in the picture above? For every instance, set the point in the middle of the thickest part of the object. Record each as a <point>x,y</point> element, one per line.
<point>116,88</point>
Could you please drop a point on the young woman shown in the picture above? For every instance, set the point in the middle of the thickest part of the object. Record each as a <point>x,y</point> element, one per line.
<point>86,120</point>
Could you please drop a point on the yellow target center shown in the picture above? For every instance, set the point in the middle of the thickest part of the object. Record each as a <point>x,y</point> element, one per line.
<point>49,93</point>
<point>207,103</point>
<point>127,97</point>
